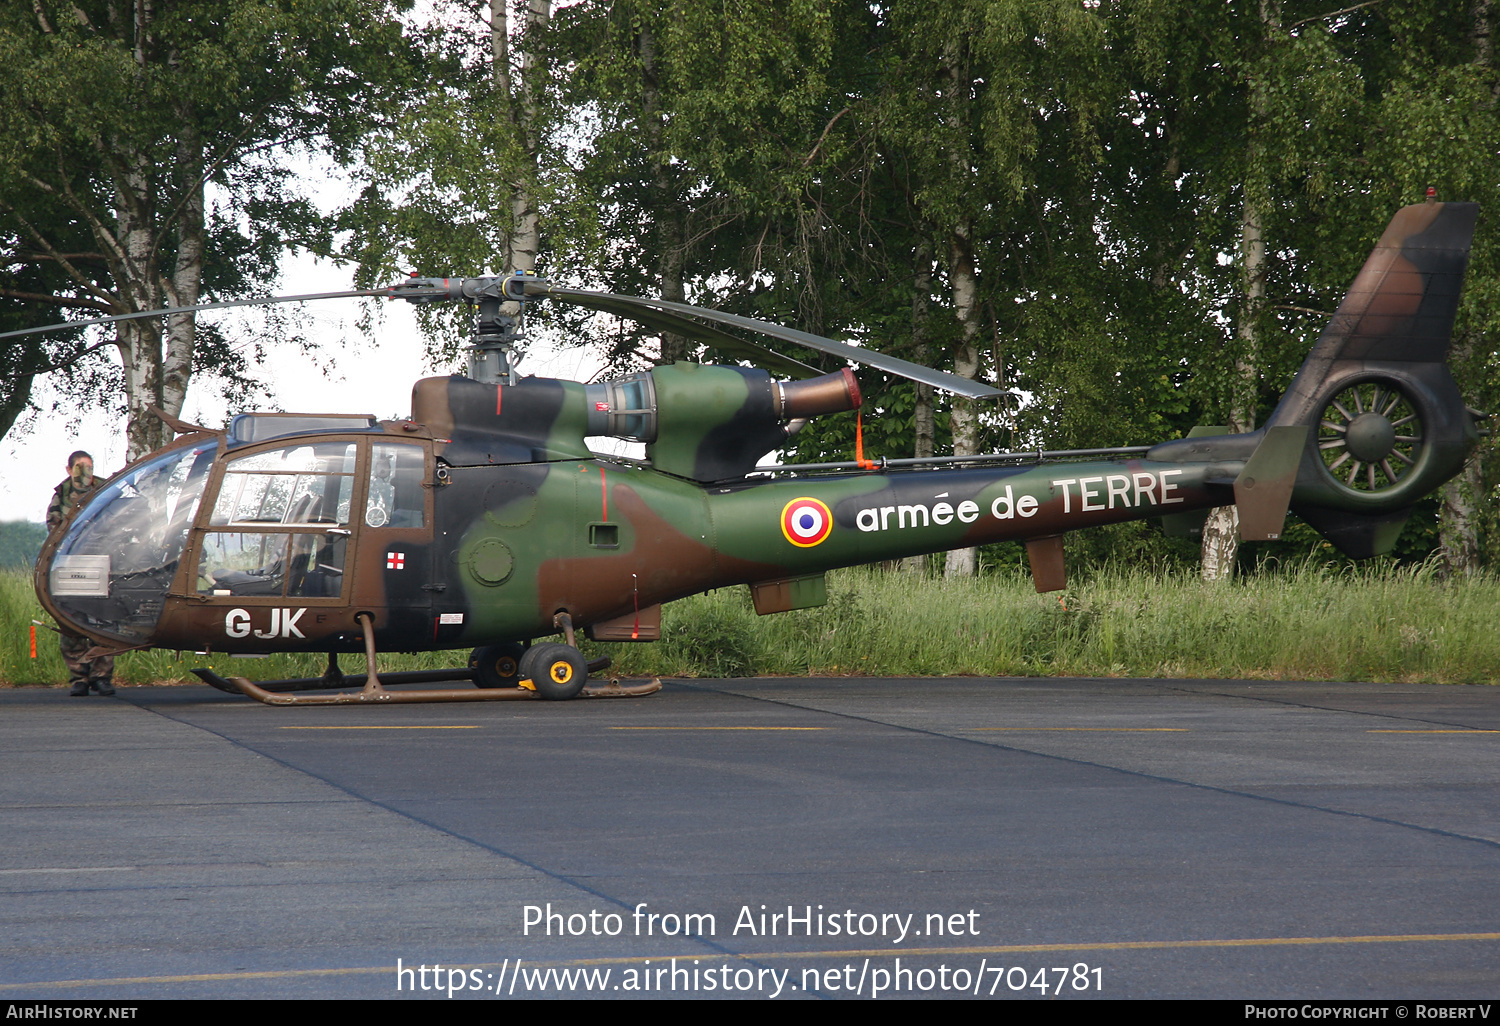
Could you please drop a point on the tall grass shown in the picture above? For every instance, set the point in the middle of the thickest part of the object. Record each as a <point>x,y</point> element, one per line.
<point>1309,622</point>
<point>1381,624</point>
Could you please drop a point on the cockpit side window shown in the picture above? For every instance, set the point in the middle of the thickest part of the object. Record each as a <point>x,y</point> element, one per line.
<point>304,484</point>
<point>309,564</point>
<point>396,498</point>
<point>278,524</point>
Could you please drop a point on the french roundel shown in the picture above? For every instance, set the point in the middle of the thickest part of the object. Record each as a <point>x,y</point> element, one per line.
<point>806,522</point>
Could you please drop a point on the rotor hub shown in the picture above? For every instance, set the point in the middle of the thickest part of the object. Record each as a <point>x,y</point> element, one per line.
<point>1371,437</point>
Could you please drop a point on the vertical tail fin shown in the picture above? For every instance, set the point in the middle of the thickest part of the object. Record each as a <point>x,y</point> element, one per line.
<point>1384,421</point>
<point>1387,424</point>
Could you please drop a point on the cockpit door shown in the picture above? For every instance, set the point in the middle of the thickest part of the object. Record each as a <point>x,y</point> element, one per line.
<point>393,565</point>
<point>271,555</point>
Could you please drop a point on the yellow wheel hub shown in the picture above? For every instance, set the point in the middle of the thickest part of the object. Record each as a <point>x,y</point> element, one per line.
<point>560,672</point>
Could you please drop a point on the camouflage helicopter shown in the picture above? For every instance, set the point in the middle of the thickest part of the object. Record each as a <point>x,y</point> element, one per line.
<point>486,521</point>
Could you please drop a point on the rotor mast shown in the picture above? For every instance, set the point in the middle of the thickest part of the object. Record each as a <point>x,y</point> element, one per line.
<point>493,351</point>
<point>494,347</point>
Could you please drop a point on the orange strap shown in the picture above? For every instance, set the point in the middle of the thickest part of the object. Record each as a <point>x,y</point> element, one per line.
<point>859,444</point>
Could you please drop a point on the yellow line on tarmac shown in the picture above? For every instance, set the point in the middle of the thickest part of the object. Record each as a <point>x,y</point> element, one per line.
<point>1024,949</point>
<point>1474,730</point>
<point>465,726</point>
<point>278,974</point>
<point>1005,949</point>
<point>718,728</point>
<point>1117,730</point>
<point>72,869</point>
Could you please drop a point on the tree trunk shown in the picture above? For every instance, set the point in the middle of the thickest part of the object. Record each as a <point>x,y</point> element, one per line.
<point>1458,532</point>
<point>14,404</point>
<point>135,228</point>
<point>1458,518</point>
<point>525,235</point>
<point>923,428</point>
<point>501,79</point>
<point>187,274</point>
<point>666,211</point>
<point>965,418</point>
<point>1221,541</point>
<point>139,341</point>
<point>1221,530</point>
<point>518,99</point>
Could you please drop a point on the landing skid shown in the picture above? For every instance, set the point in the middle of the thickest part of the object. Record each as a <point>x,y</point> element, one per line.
<point>326,683</point>
<point>374,692</point>
<point>277,692</point>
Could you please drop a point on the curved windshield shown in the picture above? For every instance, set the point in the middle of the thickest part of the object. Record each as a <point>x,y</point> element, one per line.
<point>111,571</point>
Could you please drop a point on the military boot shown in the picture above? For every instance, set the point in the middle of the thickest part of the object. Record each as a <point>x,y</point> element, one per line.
<point>102,686</point>
<point>80,689</point>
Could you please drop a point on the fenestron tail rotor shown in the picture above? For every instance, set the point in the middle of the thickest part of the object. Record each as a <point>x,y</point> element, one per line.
<point>1370,436</point>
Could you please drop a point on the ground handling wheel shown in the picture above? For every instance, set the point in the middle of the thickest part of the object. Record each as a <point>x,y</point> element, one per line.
<point>558,672</point>
<point>497,666</point>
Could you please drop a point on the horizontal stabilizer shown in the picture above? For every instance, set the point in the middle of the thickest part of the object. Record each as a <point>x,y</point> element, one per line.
<point>1264,487</point>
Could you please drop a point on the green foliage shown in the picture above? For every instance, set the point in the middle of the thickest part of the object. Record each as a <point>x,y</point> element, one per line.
<point>815,164</point>
<point>20,541</point>
<point>1309,620</point>
<point>717,641</point>
<point>115,123</point>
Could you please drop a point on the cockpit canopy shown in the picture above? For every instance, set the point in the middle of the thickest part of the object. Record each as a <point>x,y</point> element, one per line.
<point>111,571</point>
<point>279,523</point>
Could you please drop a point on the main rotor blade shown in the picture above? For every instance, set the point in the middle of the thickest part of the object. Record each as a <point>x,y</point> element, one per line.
<point>626,306</point>
<point>639,309</point>
<point>257,301</point>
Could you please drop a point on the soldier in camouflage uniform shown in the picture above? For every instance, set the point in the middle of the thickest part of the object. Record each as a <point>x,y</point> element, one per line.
<point>83,674</point>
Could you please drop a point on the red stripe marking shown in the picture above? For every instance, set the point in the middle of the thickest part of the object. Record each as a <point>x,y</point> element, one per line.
<point>499,391</point>
<point>859,443</point>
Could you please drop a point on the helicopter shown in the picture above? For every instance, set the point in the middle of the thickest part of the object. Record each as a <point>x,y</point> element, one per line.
<point>486,521</point>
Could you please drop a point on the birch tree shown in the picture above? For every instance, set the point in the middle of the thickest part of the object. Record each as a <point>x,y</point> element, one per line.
<point>464,182</point>
<point>120,114</point>
<point>969,94</point>
<point>705,164</point>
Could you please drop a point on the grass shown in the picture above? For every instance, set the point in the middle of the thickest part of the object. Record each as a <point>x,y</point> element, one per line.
<point>1305,623</point>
